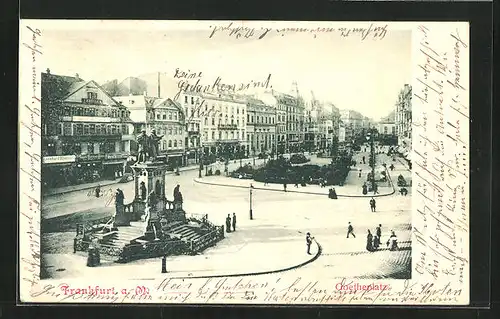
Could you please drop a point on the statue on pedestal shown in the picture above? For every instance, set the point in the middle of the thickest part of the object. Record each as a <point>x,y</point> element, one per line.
<point>154,140</point>
<point>148,146</point>
<point>142,141</point>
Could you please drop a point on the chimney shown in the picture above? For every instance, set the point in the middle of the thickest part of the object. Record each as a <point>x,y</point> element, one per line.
<point>48,71</point>
<point>158,84</point>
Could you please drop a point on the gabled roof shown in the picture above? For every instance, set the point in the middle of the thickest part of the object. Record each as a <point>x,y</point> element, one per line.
<point>75,87</point>
<point>57,87</point>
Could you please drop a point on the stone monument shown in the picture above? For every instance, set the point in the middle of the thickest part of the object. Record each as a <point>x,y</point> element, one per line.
<point>150,178</point>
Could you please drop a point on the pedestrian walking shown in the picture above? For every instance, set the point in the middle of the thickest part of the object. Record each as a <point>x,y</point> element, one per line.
<point>228,223</point>
<point>284,186</point>
<point>350,230</point>
<point>234,221</point>
<point>98,191</point>
<point>369,241</point>
<point>309,240</point>
<point>143,190</point>
<point>378,231</point>
<point>372,204</point>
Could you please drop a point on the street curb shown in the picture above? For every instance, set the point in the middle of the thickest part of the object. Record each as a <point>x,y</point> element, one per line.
<point>110,183</point>
<point>198,180</point>
<point>320,250</point>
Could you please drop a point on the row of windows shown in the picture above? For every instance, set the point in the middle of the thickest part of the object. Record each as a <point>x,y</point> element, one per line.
<point>192,111</point>
<point>69,129</point>
<point>260,119</point>
<point>226,121</point>
<point>69,148</point>
<point>225,135</point>
<point>164,115</point>
<point>92,111</point>
<point>171,144</point>
<point>170,130</point>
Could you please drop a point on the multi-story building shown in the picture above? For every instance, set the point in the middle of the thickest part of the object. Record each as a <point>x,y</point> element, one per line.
<point>223,125</point>
<point>261,126</point>
<point>294,120</point>
<point>86,134</point>
<point>387,125</point>
<point>404,119</point>
<point>166,117</point>
<point>352,123</point>
<point>312,135</point>
<point>194,109</point>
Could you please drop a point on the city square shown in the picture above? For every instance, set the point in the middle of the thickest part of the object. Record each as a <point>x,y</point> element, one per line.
<point>194,172</point>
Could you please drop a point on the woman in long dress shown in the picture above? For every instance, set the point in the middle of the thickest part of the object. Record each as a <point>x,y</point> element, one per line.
<point>369,241</point>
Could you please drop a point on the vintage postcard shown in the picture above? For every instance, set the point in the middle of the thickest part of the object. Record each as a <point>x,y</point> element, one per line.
<point>244,162</point>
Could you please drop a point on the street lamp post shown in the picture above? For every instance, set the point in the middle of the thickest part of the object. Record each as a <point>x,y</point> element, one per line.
<point>251,212</point>
<point>200,158</point>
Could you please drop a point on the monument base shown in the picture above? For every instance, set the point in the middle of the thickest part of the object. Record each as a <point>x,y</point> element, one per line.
<point>122,218</point>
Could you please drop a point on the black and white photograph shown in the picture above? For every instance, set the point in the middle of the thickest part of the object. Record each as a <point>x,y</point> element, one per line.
<point>213,151</point>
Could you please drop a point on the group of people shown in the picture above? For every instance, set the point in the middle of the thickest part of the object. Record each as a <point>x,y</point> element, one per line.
<point>373,241</point>
<point>230,222</point>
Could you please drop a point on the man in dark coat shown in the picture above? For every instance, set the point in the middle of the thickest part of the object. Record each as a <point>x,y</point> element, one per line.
<point>309,240</point>
<point>234,221</point>
<point>379,231</point>
<point>228,223</point>
<point>372,204</point>
<point>350,230</point>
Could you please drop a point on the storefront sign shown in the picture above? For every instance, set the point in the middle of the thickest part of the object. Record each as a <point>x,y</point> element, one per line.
<point>116,156</point>
<point>59,159</point>
<point>96,119</point>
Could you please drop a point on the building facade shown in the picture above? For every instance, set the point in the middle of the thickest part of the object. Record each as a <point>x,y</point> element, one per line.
<point>294,120</point>
<point>260,126</point>
<point>166,117</point>
<point>86,134</point>
<point>223,125</point>
<point>404,119</point>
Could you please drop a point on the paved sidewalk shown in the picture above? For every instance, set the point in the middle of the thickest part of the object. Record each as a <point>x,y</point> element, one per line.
<point>241,253</point>
<point>74,188</point>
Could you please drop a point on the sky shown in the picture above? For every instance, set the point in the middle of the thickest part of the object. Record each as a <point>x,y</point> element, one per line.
<point>365,76</point>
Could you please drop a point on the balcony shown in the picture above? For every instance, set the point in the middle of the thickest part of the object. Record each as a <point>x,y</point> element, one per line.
<point>227,127</point>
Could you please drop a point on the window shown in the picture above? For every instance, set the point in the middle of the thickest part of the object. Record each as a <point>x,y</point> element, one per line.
<point>175,141</point>
<point>164,117</point>
<point>67,128</point>
<point>248,117</point>
<point>185,100</point>
<point>213,135</point>
<point>180,143</point>
<point>169,116</point>
<point>213,120</point>
<point>90,148</point>
<point>192,100</point>
<point>113,129</point>
<point>170,130</point>
<point>220,135</point>
<point>124,129</point>
<point>157,116</point>
<point>238,122</point>
<point>175,116</point>
<point>206,121</point>
<point>252,118</point>
<point>92,129</point>
<point>237,110</point>
<point>86,129</point>
<point>169,143</point>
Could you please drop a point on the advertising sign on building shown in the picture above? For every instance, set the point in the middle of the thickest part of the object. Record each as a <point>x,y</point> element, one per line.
<point>59,159</point>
